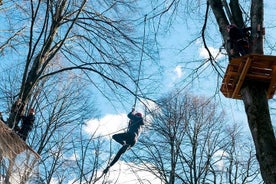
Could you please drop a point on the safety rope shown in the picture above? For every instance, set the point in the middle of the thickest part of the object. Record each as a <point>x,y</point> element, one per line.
<point>140,64</point>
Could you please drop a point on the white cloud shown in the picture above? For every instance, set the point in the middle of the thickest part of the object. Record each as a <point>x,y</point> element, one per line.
<point>221,153</point>
<point>150,105</point>
<point>54,181</point>
<point>124,172</point>
<point>173,75</point>
<point>204,53</point>
<point>127,172</point>
<point>219,157</point>
<point>74,157</point>
<point>178,71</point>
<point>107,126</point>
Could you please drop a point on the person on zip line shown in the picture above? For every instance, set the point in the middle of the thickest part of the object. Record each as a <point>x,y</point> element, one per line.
<point>130,137</point>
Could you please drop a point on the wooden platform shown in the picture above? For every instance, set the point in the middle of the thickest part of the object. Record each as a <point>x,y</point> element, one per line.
<point>250,67</point>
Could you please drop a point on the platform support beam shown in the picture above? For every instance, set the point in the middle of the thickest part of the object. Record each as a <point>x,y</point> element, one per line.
<point>242,77</point>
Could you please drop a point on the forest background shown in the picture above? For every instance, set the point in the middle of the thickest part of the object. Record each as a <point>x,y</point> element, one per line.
<point>87,63</point>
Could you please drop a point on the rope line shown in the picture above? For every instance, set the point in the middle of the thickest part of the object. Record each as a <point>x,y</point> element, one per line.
<point>140,64</point>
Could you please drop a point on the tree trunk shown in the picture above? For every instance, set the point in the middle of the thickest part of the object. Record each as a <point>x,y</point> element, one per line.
<point>256,104</point>
<point>257,110</point>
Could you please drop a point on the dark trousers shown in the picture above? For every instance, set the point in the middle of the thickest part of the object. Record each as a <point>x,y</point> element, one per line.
<point>127,140</point>
<point>242,47</point>
<point>23,133</point>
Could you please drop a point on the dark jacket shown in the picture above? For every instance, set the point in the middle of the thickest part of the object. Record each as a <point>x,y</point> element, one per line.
<point>135,124</point>
<point>236,35</point>
<point>27,126</point>
<point>28,122</point>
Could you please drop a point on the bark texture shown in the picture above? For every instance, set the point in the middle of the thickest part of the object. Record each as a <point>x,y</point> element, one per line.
<point>257,110</point>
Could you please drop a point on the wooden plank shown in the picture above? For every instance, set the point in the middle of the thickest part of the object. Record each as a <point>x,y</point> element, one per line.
<point>260,70</point>
<point>253,76</point>
<point>241,67</point>
<point>262,64</point>
<point>263,58</point>
<point>241,78</point>
<point>233,79</point>
<point>226,78</point>
<point>272,86</point>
